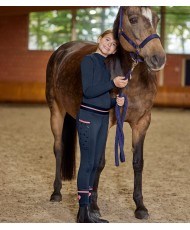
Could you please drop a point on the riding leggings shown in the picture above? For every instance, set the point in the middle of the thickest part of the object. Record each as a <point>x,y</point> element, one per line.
<point>92,131</point>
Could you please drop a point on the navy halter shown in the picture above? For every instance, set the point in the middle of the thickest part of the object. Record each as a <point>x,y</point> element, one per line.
<point>135,46</point>
<point>119,138</point>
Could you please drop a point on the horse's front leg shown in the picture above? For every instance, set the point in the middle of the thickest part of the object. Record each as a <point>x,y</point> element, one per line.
<point>94,195</point>
<point>138,136</point>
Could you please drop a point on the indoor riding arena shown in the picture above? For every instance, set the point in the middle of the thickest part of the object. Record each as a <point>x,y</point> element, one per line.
<point>27,162</point>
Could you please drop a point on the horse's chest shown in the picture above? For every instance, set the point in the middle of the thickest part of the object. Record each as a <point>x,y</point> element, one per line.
<point>139,103</point>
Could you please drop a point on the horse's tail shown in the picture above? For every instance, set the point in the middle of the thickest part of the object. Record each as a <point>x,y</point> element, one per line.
<point>68,165</point>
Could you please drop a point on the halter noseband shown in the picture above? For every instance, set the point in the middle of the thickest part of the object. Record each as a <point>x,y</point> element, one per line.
<point>134,56</point>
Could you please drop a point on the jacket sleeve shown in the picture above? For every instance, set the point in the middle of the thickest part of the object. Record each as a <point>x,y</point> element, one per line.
<point>89,89</point>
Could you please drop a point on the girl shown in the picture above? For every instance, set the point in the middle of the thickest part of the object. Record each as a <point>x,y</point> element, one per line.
<point>93,118</point>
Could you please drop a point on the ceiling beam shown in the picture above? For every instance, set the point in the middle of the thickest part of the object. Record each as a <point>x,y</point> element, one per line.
<point>19,10</point>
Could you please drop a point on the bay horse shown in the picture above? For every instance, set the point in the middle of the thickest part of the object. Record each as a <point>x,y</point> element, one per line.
<point>135,27</point>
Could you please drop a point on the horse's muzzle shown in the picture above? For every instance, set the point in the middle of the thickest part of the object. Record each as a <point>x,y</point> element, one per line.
<point>156,62</point>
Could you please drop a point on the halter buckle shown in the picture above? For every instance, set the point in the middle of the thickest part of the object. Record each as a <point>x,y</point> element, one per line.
<point>138,50</point>
<point>134,64</point>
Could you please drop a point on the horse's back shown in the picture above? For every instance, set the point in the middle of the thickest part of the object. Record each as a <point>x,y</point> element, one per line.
<point>71,50</point>
<point>63,75</point>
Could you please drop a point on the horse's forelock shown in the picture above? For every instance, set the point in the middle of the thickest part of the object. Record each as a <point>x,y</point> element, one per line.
<point>147,13</point>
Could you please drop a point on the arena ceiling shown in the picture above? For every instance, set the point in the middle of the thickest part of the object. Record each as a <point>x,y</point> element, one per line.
<point>18,10</point>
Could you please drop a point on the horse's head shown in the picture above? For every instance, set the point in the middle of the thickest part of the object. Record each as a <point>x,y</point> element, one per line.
<point>135,27</point>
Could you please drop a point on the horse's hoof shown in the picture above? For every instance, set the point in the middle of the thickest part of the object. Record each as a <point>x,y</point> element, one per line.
<point>141,213</point>
<point>95,213</point>
<point>56,197</point>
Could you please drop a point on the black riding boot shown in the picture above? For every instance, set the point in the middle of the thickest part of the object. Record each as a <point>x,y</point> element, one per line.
<point>83,215</point>
<point>95,218</point>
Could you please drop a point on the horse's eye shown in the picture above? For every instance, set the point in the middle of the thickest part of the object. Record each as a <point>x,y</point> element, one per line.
<point>133,20</point>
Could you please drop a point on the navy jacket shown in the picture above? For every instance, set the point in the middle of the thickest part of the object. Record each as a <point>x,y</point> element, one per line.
<point>96,82</point>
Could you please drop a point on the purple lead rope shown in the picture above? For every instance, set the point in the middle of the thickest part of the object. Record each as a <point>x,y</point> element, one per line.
<point>119,137</point>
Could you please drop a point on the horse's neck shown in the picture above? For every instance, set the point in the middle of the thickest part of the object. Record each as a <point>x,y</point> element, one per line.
<point>126,62</point>
<point>116,69</point>
<point>142,78</point>
<point>119,64</point>
<point>122,64</point>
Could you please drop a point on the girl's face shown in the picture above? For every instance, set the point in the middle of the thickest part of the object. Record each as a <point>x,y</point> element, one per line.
<point>107,45</point>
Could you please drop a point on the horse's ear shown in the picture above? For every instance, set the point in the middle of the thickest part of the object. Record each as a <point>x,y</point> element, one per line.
<point>155,19</point>
<point>116,27</point>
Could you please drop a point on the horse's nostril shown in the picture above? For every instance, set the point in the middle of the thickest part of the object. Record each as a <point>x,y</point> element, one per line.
<point>157,60</point>
<point>154,59</point>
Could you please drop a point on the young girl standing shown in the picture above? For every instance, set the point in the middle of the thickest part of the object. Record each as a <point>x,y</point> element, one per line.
<point>93,118</point>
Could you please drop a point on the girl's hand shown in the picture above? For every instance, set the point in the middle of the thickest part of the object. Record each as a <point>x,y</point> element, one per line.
<point>120,81</point>
<point>120,100</point>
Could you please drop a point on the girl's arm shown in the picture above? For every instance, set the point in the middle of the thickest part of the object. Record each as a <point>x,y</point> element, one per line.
<point>89,89</point>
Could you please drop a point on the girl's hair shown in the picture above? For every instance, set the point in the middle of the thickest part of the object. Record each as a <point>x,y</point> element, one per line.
<point>106,32</point>
<point>109,31</point>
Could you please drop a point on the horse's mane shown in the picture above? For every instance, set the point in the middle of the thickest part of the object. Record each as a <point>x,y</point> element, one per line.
<point>120,51</point>
<point>114,61</point>
<point>116,27</point>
